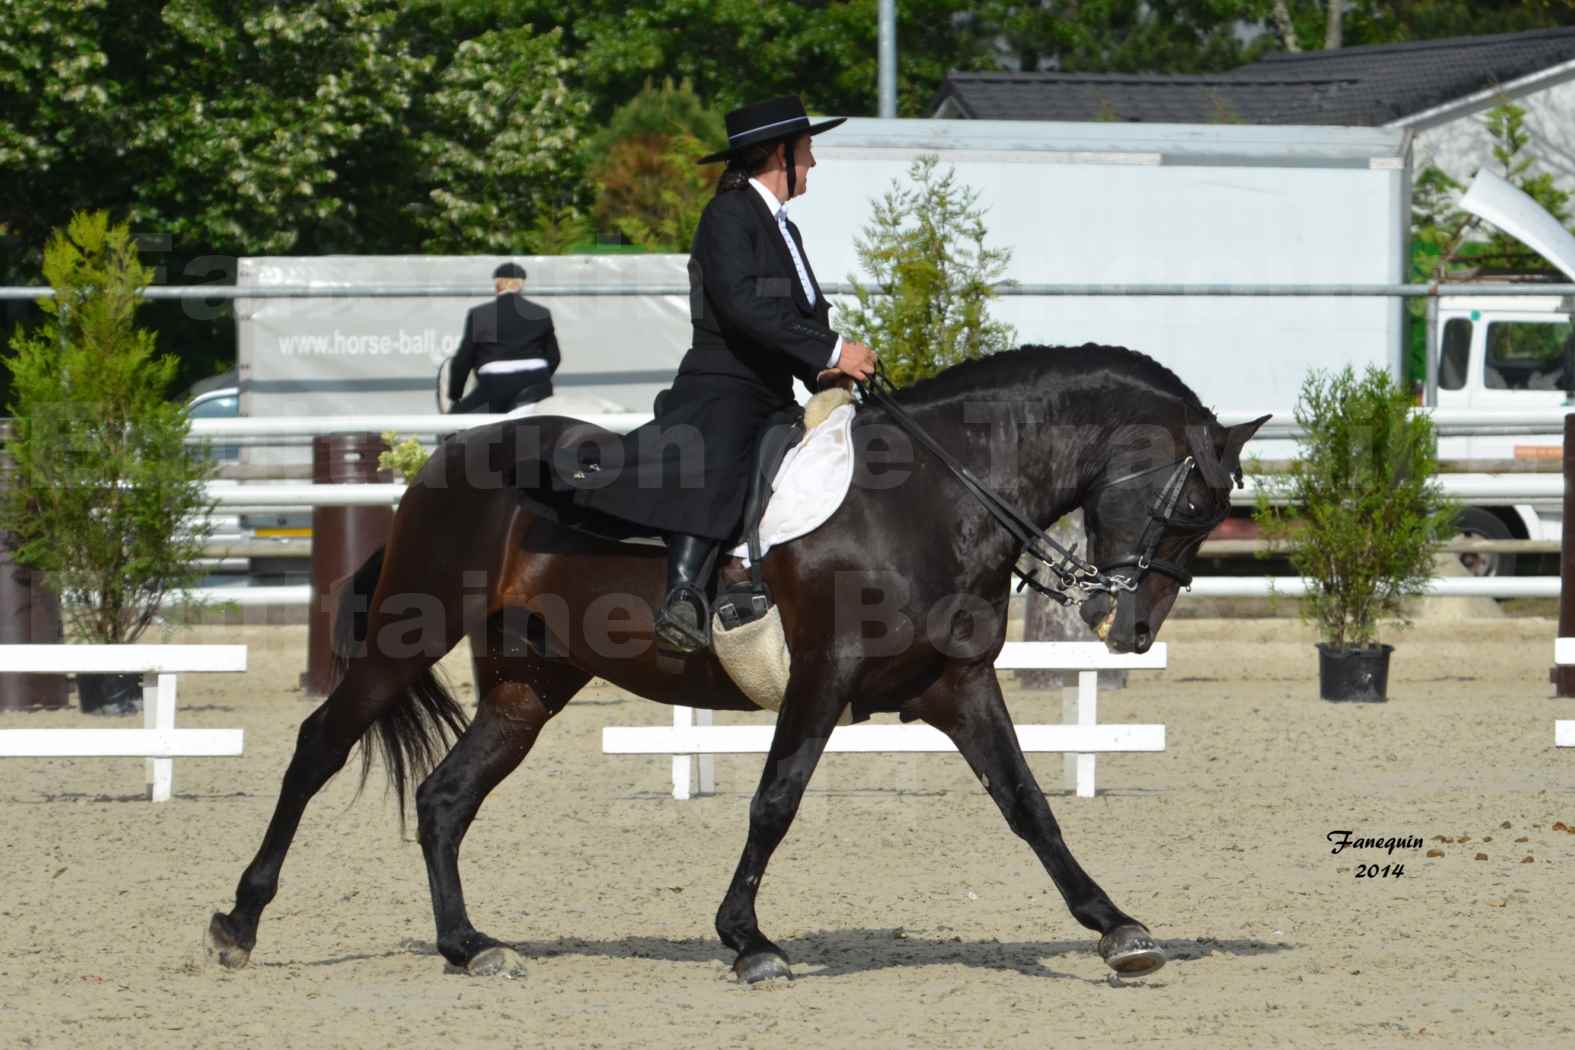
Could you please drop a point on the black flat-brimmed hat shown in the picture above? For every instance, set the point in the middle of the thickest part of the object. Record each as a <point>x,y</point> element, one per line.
<point>777,118</point>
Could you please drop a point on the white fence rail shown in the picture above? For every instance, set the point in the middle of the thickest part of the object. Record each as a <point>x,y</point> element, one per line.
<point>300,595</point>
<point>1449,422</point>
<point>158,741</point>
<point>1480,489</point>
<point>690,737</point>
<point>1437,587</point>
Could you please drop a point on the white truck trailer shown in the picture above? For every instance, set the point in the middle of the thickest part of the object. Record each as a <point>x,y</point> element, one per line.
<point>1075,203</point>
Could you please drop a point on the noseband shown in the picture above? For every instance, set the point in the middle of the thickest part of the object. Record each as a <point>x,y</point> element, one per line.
<point>1075,579</point>
<point>1161,519</point>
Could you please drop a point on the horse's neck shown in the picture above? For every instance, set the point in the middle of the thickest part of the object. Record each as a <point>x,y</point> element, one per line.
<point>1020,450</point>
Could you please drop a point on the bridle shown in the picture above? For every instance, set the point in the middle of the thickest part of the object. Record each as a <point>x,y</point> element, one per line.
<point>1161,520</point>
<point>1076,580</point>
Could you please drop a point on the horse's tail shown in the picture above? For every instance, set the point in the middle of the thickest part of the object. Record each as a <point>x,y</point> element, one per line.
<point>416,729</point>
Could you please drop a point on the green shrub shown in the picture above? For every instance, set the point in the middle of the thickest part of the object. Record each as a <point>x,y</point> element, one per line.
<point>649,188</point>
<point>406,458</point>
<point>933,277</point>
<point>1363,515</point>
<point>105,495</point>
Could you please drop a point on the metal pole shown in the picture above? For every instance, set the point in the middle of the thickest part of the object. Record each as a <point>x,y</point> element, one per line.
<point>1430,354</point>
<point>1563,678</point>
<point>886,41</point>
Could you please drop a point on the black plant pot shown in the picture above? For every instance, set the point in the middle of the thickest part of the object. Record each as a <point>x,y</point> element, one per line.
<point>110,694</point>
<point>1359,675</point>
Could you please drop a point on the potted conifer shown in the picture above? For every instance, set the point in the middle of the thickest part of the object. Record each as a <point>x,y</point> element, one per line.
<point>105,497</point>
<point>1361,516</point>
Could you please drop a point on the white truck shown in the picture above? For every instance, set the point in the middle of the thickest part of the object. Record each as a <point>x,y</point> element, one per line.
<point>1507,355</point>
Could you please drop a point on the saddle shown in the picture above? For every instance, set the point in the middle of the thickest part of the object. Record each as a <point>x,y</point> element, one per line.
<point>744,602</point>
<point>746,630</point>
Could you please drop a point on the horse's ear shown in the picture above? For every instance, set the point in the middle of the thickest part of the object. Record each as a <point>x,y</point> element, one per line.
<point>1200,442</point>
<point>1236,438</point>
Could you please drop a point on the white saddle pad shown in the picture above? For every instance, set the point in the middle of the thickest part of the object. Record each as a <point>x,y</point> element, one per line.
<point>810,485</point>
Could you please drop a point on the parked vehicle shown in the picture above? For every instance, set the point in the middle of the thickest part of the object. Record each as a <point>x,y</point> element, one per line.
<point>1503,355</point>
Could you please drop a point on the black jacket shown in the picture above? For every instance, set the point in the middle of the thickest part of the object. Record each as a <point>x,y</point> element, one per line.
<point>751,318</point>
<point>687,471</point>
<point>509,328</point>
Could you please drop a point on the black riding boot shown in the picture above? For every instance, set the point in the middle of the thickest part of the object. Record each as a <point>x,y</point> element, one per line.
<point>681,623</point>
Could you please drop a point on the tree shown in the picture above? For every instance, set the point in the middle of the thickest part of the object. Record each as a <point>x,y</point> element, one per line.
<point>649,187</point>
<point>824,51</point>
<point>105,496</point>
<point>1130,36</point>
<point>933,277</point>
<point>500,145</point>
<point>223,128</point>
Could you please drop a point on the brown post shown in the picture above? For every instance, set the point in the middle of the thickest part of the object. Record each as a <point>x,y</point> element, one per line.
<point>29,613</point>
<point>342,538</point>
<point>1564,677</point>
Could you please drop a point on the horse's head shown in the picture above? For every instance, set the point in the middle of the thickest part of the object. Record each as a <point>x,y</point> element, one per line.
<point>1147,513</point>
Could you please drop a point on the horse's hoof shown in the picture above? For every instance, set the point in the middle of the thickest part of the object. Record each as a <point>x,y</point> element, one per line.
<point>762,966</point>
<point>221,945</point>
<point>497,961</point>
<point>1131,951</point>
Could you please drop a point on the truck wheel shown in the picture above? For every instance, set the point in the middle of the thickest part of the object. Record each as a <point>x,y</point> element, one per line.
<point>1474,523</point>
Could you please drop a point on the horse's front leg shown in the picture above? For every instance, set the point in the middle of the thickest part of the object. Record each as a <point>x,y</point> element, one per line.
<point>966,705</point>
<point>809,713</point>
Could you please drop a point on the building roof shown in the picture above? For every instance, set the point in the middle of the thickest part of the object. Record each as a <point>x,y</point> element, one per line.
<point>1359,86</point>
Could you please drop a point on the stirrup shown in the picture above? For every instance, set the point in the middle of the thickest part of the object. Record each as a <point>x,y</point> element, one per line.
<point>678,637</point>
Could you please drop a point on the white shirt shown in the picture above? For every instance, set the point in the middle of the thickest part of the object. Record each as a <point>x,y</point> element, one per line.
<point>776,207</point>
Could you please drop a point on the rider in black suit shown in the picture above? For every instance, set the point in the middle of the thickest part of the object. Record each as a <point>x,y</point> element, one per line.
<point>511,344</point>
<point>759,321</point>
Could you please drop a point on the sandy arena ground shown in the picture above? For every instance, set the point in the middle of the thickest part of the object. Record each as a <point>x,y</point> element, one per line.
<point>912,915</point>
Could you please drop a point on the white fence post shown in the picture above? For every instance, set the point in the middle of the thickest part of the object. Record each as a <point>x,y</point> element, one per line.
<point>1087,715</point>
<point>1564,729</point>
<point>683,765</point>
<point>158,712</point>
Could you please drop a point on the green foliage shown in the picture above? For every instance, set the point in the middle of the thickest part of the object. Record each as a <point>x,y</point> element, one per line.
<point>105,496</point>
<point>499,144</point>
<point>928,307</point>
<point>649,187</point>
<point>301,126</point>
<point>406,457</point>
<point>1363,515</point>
<point>1448,244</point>
<point>1128,36</point>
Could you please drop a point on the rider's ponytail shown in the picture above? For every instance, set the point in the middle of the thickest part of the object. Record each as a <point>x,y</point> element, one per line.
<point>742,165</point>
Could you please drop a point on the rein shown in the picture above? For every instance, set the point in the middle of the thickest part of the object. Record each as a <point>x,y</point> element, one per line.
<point>1076,580</point>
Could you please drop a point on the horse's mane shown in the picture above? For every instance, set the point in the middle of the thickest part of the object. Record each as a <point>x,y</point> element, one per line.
<point>1043,366</point>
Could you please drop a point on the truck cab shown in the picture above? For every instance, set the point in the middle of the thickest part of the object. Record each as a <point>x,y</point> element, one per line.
<point>1506,354</point>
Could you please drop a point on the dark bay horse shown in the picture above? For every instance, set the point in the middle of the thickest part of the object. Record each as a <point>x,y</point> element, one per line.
<point>897,604</point>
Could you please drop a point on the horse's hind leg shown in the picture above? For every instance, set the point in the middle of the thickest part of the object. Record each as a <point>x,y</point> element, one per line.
<point>519,695</point>
<point>967,706</point>
<point>322,745</point>
<point>809,713</point>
